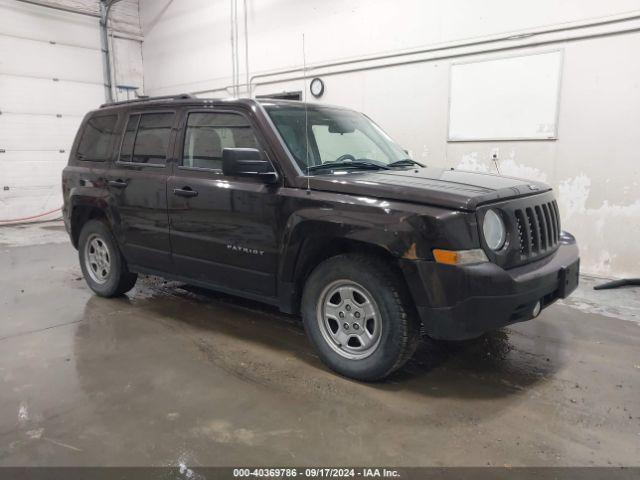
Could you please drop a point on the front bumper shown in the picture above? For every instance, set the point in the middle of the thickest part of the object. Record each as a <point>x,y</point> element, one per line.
<point>462,302</point>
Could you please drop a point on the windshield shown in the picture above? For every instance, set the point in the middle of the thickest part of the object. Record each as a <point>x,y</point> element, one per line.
<point>336,138</point>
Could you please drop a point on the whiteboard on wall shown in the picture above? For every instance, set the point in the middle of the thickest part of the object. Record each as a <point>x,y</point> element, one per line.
<point>508,98</point>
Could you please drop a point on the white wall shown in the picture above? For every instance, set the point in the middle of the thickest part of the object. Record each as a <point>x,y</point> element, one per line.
<point>594,163</point>
<point>126,47</point>
<point>51,74</point>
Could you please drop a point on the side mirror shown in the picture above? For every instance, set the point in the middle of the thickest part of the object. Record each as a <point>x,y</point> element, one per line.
<point>247,162</point>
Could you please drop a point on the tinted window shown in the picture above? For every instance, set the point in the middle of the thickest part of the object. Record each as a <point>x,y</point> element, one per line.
<point>129,137</point>
<point>95,143</point>
<point>152,140</point>
<point>146,138</point>
<point>209,133</point>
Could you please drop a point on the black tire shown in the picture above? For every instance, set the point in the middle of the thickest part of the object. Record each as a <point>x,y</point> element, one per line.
<point>119,279</point>
<point>400,326</point>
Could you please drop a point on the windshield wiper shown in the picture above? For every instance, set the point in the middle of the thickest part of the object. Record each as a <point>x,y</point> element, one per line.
<point>405,162</point>
<point>358,164</point>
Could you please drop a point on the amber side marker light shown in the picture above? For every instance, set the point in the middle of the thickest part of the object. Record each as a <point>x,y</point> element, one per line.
<point>459,257</point>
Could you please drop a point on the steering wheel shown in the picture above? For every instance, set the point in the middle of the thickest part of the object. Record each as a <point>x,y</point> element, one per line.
<point>346,156</point>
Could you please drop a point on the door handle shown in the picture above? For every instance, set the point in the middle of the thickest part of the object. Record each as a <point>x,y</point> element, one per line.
<point>185,192</point>
<point>117,183</point>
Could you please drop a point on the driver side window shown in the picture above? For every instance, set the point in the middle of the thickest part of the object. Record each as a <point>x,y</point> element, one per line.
<point>333,145</point>
<point>208,134</point>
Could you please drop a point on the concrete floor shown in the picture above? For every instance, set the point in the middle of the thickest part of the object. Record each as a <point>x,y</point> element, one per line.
<point>174,375</point>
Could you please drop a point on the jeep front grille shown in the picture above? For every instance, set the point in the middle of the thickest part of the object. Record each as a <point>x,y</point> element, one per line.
<point>533,229</point>
<point>538,228</point>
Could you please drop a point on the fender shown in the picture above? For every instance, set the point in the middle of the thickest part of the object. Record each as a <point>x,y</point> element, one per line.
<point>90,191</point>
<point>398,230</point>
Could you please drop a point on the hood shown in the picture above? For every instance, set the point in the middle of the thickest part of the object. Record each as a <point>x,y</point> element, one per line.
<point>457,189</point>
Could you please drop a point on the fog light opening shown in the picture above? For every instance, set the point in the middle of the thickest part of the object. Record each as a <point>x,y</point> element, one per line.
<point>536,309</point>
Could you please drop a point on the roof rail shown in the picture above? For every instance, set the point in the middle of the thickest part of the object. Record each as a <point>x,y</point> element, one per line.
<point>182,96</point>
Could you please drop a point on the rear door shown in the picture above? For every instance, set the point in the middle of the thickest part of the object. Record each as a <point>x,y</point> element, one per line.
<point>224,230</point>
<point>138,187</point>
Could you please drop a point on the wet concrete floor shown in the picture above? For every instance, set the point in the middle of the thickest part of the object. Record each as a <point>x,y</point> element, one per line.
<point>174,375</point>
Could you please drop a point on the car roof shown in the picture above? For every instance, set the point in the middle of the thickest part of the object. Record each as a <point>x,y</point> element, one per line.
<point>188,99</point>
<point>182,99</point>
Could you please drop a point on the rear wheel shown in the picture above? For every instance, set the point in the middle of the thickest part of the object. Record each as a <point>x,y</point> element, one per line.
<point>359,316</point>
<point>103,266</point>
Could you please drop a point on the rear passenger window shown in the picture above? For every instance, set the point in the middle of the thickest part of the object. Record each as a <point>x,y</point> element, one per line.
<point>129,137</point>
<point>95,144</point>
<point>146,138</point>
<point>209,133</point>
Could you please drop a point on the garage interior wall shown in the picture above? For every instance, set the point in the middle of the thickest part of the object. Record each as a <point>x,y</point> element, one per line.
<point>392,60</point>
<point>392,63</point>
<point>51,74</point>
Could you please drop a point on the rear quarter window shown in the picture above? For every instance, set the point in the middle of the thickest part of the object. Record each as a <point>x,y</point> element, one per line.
<point>97,137</point>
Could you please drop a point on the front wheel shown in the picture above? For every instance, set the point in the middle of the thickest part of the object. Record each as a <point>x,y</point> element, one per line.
<point>358,314</point>
<point>103,266</point>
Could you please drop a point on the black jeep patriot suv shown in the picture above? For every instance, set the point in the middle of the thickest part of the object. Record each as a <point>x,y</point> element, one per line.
<point>316,210</point>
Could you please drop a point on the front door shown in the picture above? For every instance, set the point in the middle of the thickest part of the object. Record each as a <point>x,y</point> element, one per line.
<point>138,186</point>
<point>224,230</point>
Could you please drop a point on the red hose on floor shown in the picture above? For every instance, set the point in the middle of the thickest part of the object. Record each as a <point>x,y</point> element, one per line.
<point>23,219</point>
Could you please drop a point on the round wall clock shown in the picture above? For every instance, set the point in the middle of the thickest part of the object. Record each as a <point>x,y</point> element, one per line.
<point>317,87</point>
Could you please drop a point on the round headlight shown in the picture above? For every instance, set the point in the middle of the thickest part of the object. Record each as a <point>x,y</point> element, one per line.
<point>494,231</point>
